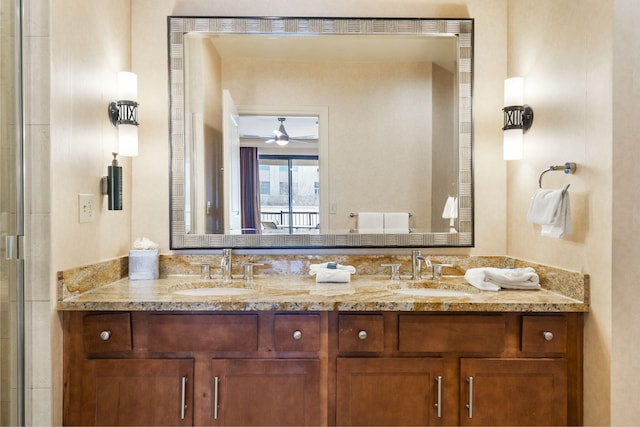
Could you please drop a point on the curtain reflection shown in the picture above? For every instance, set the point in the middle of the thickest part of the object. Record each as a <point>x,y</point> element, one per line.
<point>250,190</point>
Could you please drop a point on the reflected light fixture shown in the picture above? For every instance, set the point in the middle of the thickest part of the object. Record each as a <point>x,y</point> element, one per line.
<point>123,114</point>
<point>518,118</point>
<point>281,137</point>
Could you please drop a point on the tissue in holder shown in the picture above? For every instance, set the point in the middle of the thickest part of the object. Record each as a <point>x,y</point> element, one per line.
<point>143,260</point>
<point>339,274</point>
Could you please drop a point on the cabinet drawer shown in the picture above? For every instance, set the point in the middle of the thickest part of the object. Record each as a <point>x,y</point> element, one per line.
<point>297,332</point>
<point>361,332</point>
<point>105,333</point>
<point>202,332</point>
<point>451,333</point>
<point>546,334</point>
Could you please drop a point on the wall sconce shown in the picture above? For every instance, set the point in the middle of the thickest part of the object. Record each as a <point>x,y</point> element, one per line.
<point>518,118</point>
<point>123,114</point>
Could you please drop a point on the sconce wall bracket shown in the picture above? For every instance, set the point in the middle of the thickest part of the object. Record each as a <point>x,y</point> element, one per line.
<point>123,113</point>
<point>518,117</point>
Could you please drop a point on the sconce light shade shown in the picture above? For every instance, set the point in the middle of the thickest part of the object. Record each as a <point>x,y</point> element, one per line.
<point>518,118</point>
<point>513,144</point>
<point>123,114</point>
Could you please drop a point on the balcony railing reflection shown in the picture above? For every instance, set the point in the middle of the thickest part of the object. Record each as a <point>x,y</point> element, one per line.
<point>283,221</point>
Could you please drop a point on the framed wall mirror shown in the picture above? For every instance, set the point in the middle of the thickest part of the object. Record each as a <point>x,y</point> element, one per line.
<point>320,132</point>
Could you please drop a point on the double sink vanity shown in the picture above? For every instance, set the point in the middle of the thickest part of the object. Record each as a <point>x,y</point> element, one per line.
<point>281,349</point>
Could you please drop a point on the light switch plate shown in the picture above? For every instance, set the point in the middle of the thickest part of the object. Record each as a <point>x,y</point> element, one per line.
<point>86,207</point>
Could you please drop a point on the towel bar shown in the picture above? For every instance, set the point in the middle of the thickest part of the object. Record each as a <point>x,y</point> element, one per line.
<point>353,215</point>
<point>567,168</point>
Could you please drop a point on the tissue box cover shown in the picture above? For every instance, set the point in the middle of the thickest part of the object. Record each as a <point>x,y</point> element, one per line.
<point>143,265</point>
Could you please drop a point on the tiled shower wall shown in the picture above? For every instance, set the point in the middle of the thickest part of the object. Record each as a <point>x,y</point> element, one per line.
<point>39,305</point>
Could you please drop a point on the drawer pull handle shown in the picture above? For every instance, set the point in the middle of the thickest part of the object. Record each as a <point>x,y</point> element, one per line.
<point>547,335</point>
<point>297,335</point>
<point>216,385</point>
<point>470,404</point>
<point>183,397</point>
<point>362,335</point>
<point>105,335</point>
<point>439,392</point>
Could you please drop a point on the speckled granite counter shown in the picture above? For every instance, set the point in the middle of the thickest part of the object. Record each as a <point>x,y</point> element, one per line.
<point>285,286</point>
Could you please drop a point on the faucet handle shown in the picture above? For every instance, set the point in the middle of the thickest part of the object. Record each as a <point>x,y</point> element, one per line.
<point>395,270</point>
<point>205,271</point>
<point>437,270</point>
<point>248,270</point>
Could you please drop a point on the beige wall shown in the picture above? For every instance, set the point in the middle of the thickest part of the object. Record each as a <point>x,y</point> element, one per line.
<point>90,43</point>
<point>625,292</point>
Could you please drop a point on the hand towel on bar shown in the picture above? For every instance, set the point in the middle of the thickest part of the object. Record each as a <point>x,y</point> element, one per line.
<point>552,210</point>
<point>396,222</point>
<point>450,208</point>
<point>340,274</point>
<point>494,279</point>
<point>370,223</point>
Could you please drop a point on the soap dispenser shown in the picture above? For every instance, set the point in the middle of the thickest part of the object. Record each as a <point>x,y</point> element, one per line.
<point>112,185</point>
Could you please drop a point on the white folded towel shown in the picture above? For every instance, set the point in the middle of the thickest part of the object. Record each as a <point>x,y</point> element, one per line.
<point>552,210</point>
<point>370,223</point>
<point>494,279</point>
<point>396,222</point>
<point>340,274</point>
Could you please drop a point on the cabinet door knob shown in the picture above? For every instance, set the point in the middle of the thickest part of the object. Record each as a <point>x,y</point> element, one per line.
<point>297,335</point>
<point>105,335</point>
<point>362,335</point>
<point>547,335</point>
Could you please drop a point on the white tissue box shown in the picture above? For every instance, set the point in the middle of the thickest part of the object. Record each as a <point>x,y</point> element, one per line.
<point>143,264</point>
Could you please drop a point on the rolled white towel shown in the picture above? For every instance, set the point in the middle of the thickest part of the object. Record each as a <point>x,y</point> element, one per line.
<point>494,279</point>
<point>475,276</point>
<point>332,276</point>
<point>339,274</point>
<point>513,278</point>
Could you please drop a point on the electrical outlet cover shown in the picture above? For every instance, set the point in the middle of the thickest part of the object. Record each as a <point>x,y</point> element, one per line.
<point>86,207</point>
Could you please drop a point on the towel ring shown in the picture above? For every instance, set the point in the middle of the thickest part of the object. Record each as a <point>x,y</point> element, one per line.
<point>567,168</point>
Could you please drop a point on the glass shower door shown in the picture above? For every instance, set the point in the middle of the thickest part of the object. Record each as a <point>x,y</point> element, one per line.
<point>11,217</point>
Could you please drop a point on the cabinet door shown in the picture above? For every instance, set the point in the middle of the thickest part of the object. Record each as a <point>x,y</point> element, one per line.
<point>514,392</point>
<point>130,392</point>
<point>251,392</point>
<point>389,391</point>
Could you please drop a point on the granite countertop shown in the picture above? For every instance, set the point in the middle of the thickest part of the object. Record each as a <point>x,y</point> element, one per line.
<point>301,293</point>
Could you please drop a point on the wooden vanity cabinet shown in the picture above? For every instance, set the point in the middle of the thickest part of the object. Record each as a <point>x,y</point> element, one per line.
<point>217,369</point>
<point>459,369</point>
<point>322,368</point>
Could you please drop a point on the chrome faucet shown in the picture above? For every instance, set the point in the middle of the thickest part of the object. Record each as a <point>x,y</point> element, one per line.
<point>416,263</point>
<point>225,264</point>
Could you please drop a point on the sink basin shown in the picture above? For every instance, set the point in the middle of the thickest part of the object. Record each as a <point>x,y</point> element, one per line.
<point>430,292</point>
<point>211,292</point>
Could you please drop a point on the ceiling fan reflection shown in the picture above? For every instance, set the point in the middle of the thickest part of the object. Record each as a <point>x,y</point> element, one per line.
<point>281,137</point>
